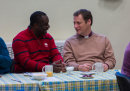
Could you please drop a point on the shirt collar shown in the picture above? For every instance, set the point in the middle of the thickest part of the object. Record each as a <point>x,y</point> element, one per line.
<point>87,35</point>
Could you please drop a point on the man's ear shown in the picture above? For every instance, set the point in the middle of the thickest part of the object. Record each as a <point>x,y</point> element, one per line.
<point>35,25</point>
<point>89,21</point>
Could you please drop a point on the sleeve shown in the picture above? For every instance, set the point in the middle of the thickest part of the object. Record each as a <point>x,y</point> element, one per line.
<point>109,54</point>
<point>5,60</point>
<point>68,55</point>
<point>21,53</point>
<point>55,54</point>
<point>126,62</point>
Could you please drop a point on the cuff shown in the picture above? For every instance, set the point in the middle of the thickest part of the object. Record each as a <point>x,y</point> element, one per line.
<point>107,65</point>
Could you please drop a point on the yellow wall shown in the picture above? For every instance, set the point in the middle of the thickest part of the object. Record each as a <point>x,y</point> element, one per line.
<point>111,18</point>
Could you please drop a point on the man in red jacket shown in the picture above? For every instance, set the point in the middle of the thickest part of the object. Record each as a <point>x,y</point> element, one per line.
<point>34,47</point>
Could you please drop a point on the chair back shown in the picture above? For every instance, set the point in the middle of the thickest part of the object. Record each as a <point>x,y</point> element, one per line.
<point>123,82</point>
<point>12,67</point>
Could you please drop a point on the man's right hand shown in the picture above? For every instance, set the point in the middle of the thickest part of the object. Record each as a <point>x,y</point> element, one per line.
<point>85,67</point>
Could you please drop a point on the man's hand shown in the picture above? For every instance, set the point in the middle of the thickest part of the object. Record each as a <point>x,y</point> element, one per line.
<point>105,67</point>
<point>58,66</point>
<point>85,67</point>
<point>63,67</point>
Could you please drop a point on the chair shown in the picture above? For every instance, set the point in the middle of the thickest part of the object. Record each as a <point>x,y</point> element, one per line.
<point>12,67</point>
<point>123,82</point>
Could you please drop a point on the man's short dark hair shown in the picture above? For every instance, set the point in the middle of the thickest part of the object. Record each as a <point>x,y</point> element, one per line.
<point>86,14</point>
<point>36,17</point>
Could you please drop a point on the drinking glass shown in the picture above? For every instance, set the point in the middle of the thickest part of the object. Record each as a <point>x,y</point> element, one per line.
<point>98,68</point>
<point>48,70</point>
<point>69,69</point>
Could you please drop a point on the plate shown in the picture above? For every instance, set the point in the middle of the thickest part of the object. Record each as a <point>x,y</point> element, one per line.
<point>81,76</point>
<point>27,74</point>
<point>87,77</point>
<point>88,73</point>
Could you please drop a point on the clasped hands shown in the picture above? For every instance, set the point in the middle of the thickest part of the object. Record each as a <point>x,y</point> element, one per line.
<point>88,67</point>
<point>59,66</point>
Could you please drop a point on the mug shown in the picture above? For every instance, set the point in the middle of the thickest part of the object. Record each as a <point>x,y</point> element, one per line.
<point>48,70</point>
<point>98,68</point>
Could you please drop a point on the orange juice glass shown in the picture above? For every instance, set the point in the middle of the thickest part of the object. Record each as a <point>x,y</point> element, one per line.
<point>50,74</point>
<point>48,70</point>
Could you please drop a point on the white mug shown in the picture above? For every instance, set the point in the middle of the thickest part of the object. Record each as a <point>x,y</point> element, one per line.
<point>98,68</point>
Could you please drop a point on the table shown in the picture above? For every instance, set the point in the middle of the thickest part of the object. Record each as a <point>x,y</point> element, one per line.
<point>107,82</point>
<point>17,82</point>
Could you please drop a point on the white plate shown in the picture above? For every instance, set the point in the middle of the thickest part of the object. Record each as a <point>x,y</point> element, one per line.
<point>88,73</point>
<point>87,77</point>
<point>27,74</point>
<point>81,76</point>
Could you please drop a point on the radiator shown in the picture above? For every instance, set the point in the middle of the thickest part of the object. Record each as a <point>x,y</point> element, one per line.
<point>59,45</point>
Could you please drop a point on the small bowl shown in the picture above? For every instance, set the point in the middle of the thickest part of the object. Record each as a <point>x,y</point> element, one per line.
<point>69,68</point>
<point>38,76</point>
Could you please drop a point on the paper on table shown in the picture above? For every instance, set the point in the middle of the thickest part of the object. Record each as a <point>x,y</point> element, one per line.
<point>50,79</point>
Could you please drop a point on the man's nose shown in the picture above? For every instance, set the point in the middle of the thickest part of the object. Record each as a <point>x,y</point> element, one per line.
<point>48,26</point>
<point>75,25</point>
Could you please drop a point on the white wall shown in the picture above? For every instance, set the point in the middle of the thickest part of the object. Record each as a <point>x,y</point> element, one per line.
<point>111,18</point>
